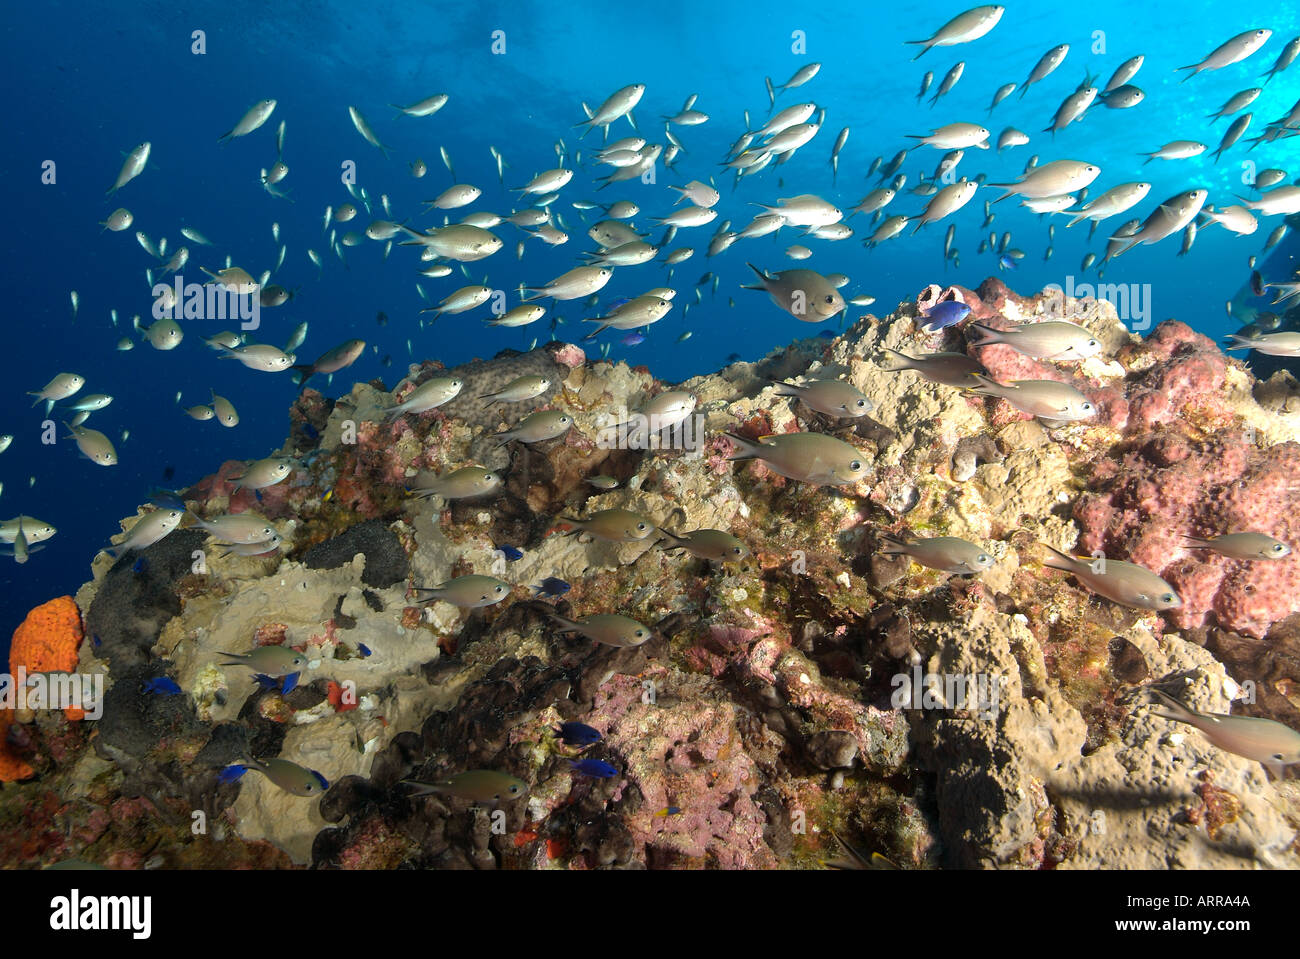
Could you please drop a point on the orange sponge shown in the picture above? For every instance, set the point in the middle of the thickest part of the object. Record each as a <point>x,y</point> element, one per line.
<point>47,642</point>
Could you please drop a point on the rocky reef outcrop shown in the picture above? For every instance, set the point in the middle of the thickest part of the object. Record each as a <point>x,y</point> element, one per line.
<point>779,699</point>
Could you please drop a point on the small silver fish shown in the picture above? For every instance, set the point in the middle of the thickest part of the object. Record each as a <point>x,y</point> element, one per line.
<point>1247,546</point>
<point>1261,740</point>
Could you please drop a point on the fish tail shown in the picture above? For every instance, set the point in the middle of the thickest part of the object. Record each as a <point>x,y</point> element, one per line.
<point>1239,342</point>
<point>894,545</point>
<point>1059,560</point>
<point>1195,542</point>
<point>903,361</point>
<point>1178,712</point>
<point>748,449</point>
<point>785,389</point>
<point>984,382</point>
<point>572,521</point>
<point>567,625</point>
<point>924,48</point>
<point>422,789</point>
<point>677,540</point>
<point>988,335</point>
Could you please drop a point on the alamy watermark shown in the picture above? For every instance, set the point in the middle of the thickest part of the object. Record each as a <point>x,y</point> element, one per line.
<point>83,691</point>
<point>637,431</point>
<point>979,693</point>
<point>179,300</point>
<point>1132,301</point>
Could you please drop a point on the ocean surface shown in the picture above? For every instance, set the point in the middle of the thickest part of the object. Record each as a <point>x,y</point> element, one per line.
<point>90,81</point>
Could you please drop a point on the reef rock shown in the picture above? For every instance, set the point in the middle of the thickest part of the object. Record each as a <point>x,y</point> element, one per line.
<point>943,721</point>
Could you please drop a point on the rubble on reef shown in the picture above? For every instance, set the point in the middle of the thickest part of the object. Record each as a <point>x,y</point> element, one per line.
<point>765,711</point>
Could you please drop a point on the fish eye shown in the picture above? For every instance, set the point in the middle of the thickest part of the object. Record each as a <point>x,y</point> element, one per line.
<point>984,559</point>
<point>1093,343</point>
<point>640,526</point>
<point>1087,407</point>
<point>501,589</point>
<point>639,633</point>
<point>861,403</point>
<point>830,299</point>
<point>1168,598</point>
<point>1277,547</point>
<point>855,466</point>
<point>736,550</point>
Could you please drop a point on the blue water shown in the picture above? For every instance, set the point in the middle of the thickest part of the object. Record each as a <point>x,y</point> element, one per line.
<point>89,81</point>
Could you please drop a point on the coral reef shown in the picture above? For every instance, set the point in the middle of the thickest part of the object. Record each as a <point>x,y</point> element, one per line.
<point>810,687</point>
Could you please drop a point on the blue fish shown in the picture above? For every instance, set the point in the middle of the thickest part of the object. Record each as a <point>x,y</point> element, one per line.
<point>511,553</point>
<point>270,682</point>
<point>363,649</point>
<point>577,734</point>
<point>166,498</point>
<point>141,565</point>
<point>162,686</point>
<point>945,314</point>
<point>596,768</point>
<point>1006,262</point>
<point>552,586</point>
<point>635,338</point>
<point>232,773</point>
<point>311,431</point>
<point>610,308</point>
<point>733,357</point>
<point>96,641</point>
<point>826,334</point>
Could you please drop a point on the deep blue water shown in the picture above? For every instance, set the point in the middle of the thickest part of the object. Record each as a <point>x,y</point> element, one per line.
<point>90,81</point>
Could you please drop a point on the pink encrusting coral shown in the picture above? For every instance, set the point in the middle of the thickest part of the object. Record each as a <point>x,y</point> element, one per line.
<point>690,759</point>
<point>1140,507</point>
<point>1185,367</point>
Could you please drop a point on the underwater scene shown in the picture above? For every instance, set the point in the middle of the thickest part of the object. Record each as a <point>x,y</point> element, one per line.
<point>733,436</point>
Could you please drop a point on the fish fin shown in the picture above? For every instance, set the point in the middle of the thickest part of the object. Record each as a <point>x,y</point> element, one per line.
<point>762,277</point>
<point>905,362</point>
<point>988,335</point>
<point>567,625</point>
<point>786,389</point>
<point>423,789</point>
<point>747,448</point>
<point>1193,542</point>
<point>984,382</point>
<point>894,545</point>
<point>1180,713</point>
<point>925,47</point>
<point>1059,560</point>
